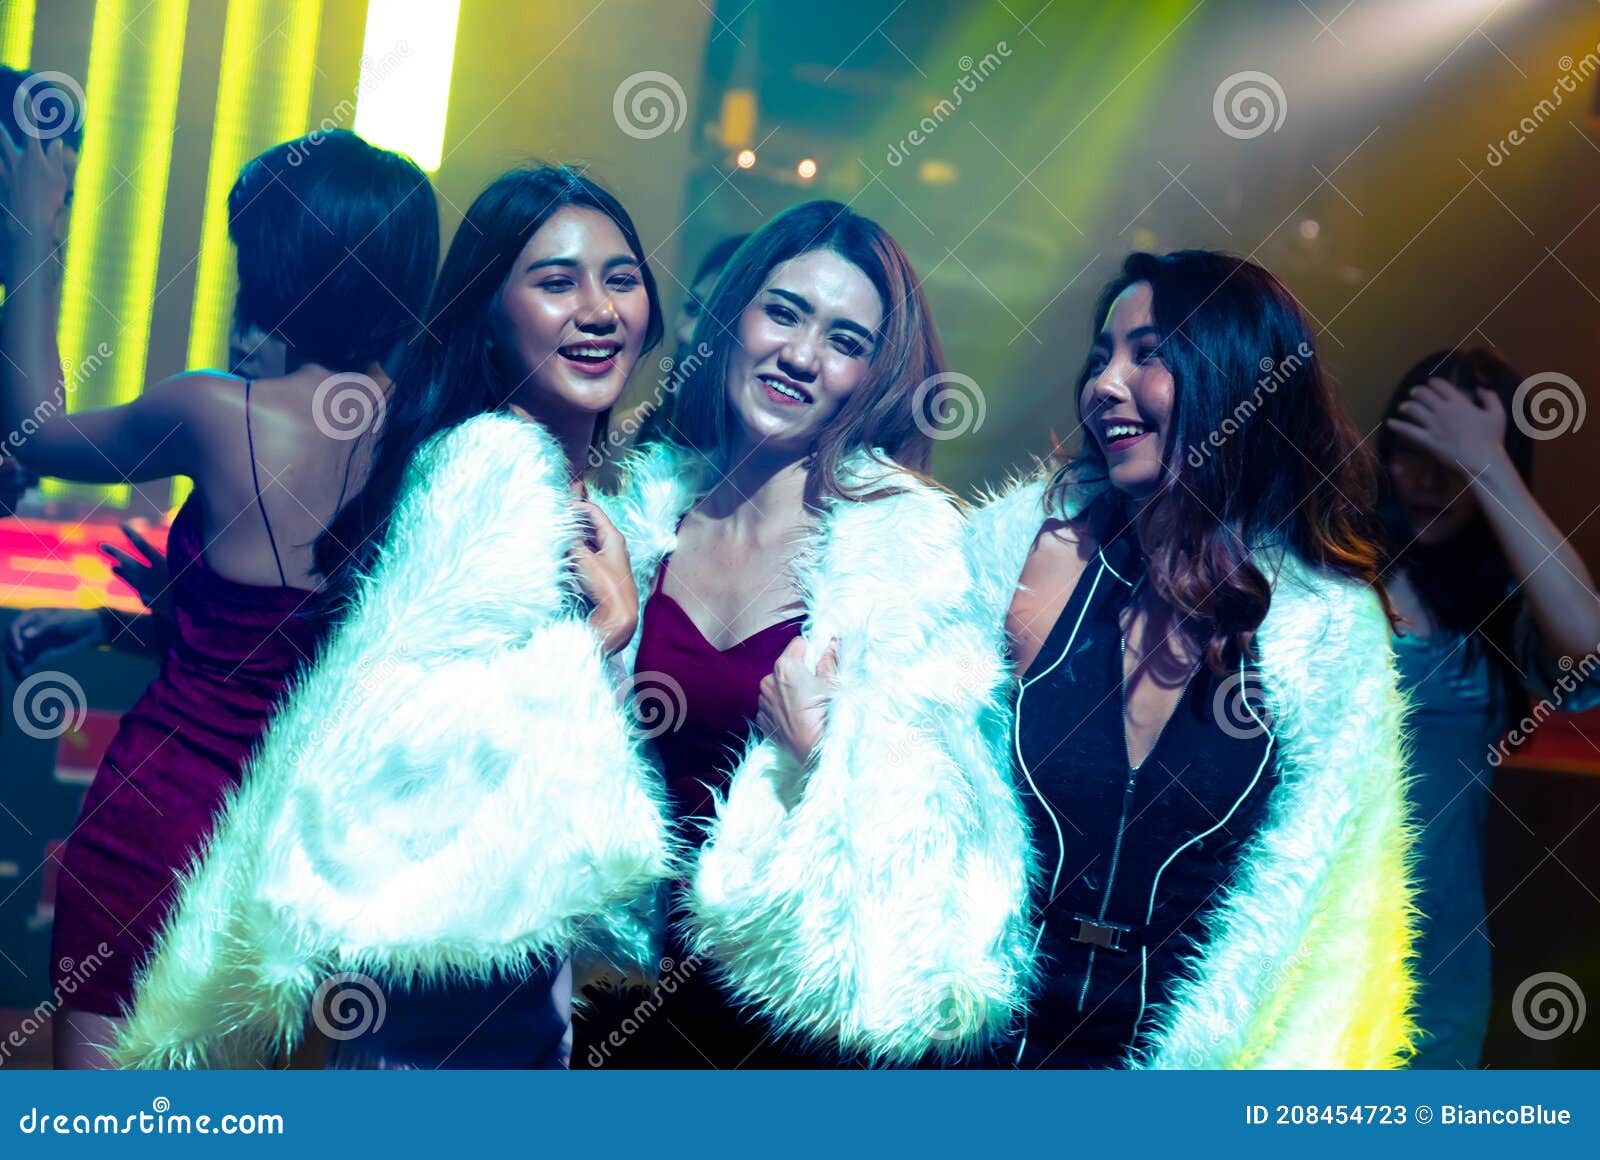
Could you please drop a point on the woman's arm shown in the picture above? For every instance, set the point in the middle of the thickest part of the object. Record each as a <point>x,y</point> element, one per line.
<point>1445,422</point>
<point>144,439</point>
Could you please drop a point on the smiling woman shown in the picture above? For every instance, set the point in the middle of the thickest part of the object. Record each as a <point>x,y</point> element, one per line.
<point>1206,720</point>
<point>859,882</point>
<point>451,803</point>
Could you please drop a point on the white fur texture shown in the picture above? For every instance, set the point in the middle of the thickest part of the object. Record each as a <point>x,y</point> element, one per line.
<point>884,915</point>
<point>451,788</point>
<point>1305,962</point>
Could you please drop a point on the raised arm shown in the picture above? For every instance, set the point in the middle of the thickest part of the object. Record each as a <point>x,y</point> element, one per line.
<point>144,439</point>
<point>1559,590</point>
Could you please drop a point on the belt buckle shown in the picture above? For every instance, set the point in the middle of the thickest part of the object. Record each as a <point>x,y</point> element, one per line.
<point>1097,932</point>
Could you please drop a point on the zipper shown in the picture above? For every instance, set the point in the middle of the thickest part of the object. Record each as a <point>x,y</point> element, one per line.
<point>1128,787</point>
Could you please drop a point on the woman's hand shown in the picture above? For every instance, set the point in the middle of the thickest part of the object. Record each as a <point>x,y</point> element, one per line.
<point>38,634</point>
<point>1444,421</point>
<point>35,192</point>
<point>148,577</point>
<point>606,577</point>
<point>793,709</point>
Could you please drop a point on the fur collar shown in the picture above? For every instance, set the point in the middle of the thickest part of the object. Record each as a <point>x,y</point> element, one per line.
<point>450,790</point>
<point>883,913</point>
<point>1306,959</point>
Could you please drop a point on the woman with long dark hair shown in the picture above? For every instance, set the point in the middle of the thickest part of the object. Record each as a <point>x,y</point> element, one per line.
<point>451,803</point>
<point>1496,608</point>
<point>827,730</point>
<point>1207,727</point>
<point>337,242</point>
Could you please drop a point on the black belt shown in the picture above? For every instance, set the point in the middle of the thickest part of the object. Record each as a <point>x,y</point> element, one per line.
<point>1097,932</point>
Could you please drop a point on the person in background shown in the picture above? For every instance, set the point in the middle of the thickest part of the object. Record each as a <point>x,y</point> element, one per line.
<point>271,461</point>
<point>42,110</point>
<point>38,635</point>
<point>41,635</point>
<point>1497,608</point>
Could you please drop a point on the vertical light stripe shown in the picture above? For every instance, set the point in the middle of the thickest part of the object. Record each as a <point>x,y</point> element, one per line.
<point>406,60</point>
<point>16,32</point>
<point>135,58</point>
<point>263,98</point>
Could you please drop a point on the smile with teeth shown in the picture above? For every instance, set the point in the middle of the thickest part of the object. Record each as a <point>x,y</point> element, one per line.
<point>786,390</point>
<point>1121,433</point>
<point>591,351</point>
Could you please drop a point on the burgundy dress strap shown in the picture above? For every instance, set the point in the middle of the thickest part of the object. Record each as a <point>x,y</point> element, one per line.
<point>255,481</point>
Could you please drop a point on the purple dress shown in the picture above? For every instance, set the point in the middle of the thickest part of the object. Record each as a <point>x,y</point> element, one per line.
<point>688,1021</point>
<point>175,756</point>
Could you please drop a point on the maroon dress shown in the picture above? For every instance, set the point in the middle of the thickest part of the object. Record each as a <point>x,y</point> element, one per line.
<point>176,753</point>
<point>694,1024</point>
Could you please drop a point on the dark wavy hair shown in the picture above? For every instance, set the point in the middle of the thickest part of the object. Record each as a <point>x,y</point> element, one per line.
<point>1464,581</point>
<point>337,243</point>
<point>1259,452</point>
<point>883,414</point>
<point>449,374</point>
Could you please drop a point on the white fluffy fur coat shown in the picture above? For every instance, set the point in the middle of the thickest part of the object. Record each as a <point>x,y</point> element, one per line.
<point>1306,959</point>
<point>885,915</point>
<point>452,788</point>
